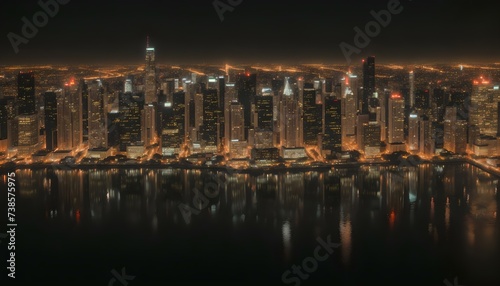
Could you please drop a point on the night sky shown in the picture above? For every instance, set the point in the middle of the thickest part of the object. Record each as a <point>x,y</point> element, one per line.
<point>109,31</point>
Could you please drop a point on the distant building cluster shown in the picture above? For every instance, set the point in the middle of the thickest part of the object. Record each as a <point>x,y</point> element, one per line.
<point>243,120</point>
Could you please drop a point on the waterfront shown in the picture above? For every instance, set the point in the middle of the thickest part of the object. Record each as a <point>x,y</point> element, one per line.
<point>411,226</point>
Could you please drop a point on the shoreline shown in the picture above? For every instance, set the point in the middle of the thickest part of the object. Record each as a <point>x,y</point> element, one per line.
<point>257,170</point>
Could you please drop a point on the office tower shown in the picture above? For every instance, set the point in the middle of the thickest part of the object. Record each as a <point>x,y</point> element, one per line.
<point>422,99</point>
<point>50,107</point>
<point>264,112</point>
<point>179,108</point>
<point>413,132</point>
<point>171,140</point>
<point>455,132</point>
<point>412,89</point>
<point>246,86</point>
<point>130,108</point>
<point>69,117</point>
<point>462,100</point>
<point>209,130</point>
<point>28,134</point>
<point>113,120</point>
<point>349,90</point>
<point>237,122</point>
<point>484,108</point>
<point>396,119</point>
<point>362,119</point>
<point>26,93</point>
<point>3,119</point>
<point>128,86</point>
<point>169,87</point>
<point>328,85</point>
<point>150,74</point>
<point>98,136</point>
<point>312,117</point>
<point>221,89</point>
<point>439,102</point>
<point>368,83</point>
<point>85,109</point>
<point>396,124</point>
<point>332,133</point>
<point>289,118</point>
<point>371,139</point>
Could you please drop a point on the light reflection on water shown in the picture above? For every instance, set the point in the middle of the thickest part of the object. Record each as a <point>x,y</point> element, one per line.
<point>373,205</point>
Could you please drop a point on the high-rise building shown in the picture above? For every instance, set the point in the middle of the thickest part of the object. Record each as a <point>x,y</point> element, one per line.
<point>422,99</point>
<point>26,93</point>
<point>413,132</point>
<point>371,139</point>
<point>85,109</point>
<point>412,89</point>
<point>289,119</point>
<point>455,132</point>
<point>349,91</point>
<point>150,75</point>
<point>246,86</point>
<point>50,107</point>
<point>130,108</point>
<point>28,134</point>
<point>395,129</point>
<point>264,112</point>
<point>128,86</point>
<point>368,83</point>
<point>332,133</point>
<point>312,117</point>
<point>69,117</point>
<point>209,130</point>
<point>484,106</point>
<point>237,122</point>
<point>221,89</point>
<point>98,137</point>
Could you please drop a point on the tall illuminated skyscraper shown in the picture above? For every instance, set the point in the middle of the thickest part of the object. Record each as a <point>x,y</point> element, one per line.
<point>149,118</point>
<point>246,87</point>
<point>368,83</point>
<point>98,137</point>
<point>396,119</point>
<point>332,133</point>
<point>264,112</point>
<point>289,118</point>
<point>69,117</point>
<point>50,107</point>
<point>484,108</point>
<point>312,116</point>
<point>413,132</point>
<point>130,108</point>
<point>210,115</point>
<point>349,109</point>
<point>412,88</point>
<point>26,93</point>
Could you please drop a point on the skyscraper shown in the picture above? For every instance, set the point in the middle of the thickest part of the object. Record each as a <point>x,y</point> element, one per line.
<point>98,136</point>
<point>50,107</point>
<point>72,93</point>
<point>26,93</point>
<point>264,112</point>
<point>484,108</point>
<point>246,86</point>
<point>289,118</point>
<point>149,126</point>
<point>332,133</point>
<point>130,108</point>
<point>368,83</point>
<point>311,119</point>
<point>413,132</point>
<point>210,115</point>
<point>396,119</point>
<point>412,89</point>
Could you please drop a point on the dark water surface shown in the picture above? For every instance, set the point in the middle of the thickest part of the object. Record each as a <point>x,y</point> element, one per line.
<point>417,226</point>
